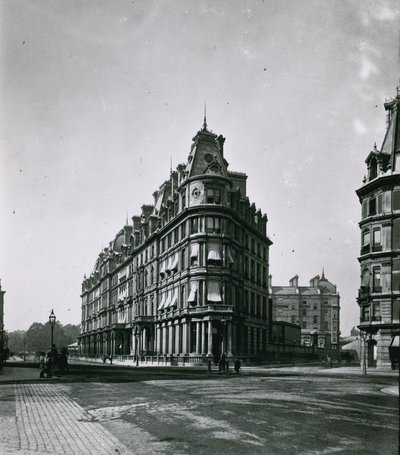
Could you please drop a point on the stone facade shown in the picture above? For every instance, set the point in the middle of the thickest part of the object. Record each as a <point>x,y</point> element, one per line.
<point>379,293</point>
<point>316,308</point>
<point>189,276</point>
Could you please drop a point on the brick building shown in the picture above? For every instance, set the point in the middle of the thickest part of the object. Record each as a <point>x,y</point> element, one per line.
<point>188,277</point>
<point>316,308</point>
<point>379,292</point>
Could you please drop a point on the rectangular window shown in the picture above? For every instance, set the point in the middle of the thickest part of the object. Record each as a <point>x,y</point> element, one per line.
<point>315,319</point>
<point>304,312</point>
<point>183,230</point>
<point>213,196</point>
<point>293,319</point>
<point>396,311</point>
<point>372,207</point>
<point>213,224</point>
<point>365,238</point>
<point>304,325</point>
<point>365,314</point>
<point>183,200</point>
<point>376,311</point>
<point>377,236</point>
<point>364,213</point>
<point>396,200</point>
<point>194,225</point>
<point>376,279</point>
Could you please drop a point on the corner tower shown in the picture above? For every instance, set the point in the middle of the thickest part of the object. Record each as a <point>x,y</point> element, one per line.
<point>379,293</point>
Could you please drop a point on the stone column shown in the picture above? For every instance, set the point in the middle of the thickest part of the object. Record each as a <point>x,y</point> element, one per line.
<point>198,339</point>
<point>170,339</point>
<point>164,338</point>
<point>204,340</point>
<point>177,337</point>
<point>158,339</point>
<point>209,353</point>
<point>185,337</point>
<point>229,339</point>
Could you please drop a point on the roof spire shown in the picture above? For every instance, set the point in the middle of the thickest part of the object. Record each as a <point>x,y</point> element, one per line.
<point>323,272</point>
<point>205,117</point>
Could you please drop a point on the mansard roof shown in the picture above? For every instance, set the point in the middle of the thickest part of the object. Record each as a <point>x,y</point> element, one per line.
<point>206,155</point>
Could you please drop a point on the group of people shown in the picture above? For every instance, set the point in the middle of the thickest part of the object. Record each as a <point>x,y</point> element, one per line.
<point>223,364</point>
<point>53,362</point>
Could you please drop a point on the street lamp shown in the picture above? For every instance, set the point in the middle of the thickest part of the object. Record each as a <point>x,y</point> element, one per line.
<point>52,321</point>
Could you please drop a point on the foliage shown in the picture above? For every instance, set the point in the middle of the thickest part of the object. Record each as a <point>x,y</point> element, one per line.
<point>38,336</point>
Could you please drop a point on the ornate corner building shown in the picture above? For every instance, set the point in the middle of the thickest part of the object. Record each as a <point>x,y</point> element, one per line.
<point>189,276</point>
<point>316,308</point>
<point>379,293</point>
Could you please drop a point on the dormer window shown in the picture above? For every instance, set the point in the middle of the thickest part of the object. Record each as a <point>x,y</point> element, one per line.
<point>373,169</point>
<point>213,196</point>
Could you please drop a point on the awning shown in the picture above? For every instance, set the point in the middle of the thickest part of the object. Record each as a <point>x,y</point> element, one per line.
<point>213,291</point>
<point>214,253</point>
<point>174,262</point>
<point>395,342</point>
<point>174,299</point>
<point>162,270</point>
<point>194,250</point>
<point>167,300</point>
<point>193,292</point>
<point>162,301</point>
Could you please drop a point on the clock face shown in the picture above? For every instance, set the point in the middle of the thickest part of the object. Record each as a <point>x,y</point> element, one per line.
<point>208,157</point>
<point>196,193</point>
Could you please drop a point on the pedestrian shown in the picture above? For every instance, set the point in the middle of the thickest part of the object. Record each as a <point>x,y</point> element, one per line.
<point>104,358</point>
<point>63,361</point>
<point>111,358</point>
<point>49,365</point>
<point>237,366</point>
<point>42,365</point>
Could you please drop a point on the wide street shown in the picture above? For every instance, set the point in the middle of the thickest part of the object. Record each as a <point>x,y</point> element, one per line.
<point>109,410</point>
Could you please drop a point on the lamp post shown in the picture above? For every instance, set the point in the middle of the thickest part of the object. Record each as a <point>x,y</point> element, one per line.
<point>364,336</point>
<point>137,345</point>
<point>52,321</point>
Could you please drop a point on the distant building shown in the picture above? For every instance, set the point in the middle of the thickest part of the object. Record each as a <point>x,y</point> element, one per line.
<point>316,308</point>
<point>379,293</point>
<point>189,276</point>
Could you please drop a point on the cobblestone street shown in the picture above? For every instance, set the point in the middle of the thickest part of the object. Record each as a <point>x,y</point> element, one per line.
<point>42,418</point>
<point>142,411</point>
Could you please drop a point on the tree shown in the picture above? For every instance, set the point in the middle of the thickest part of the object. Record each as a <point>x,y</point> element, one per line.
<point>17,341</point>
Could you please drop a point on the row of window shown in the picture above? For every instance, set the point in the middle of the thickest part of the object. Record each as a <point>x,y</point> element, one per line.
<point>381,203</point>
<point>385,277</point>
<point>372,312</point>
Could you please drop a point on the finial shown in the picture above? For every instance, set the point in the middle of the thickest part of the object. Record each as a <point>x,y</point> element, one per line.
<point>205,117</point>
<point>375,148</point>
<point>126,222</point>
<point>323,272</point>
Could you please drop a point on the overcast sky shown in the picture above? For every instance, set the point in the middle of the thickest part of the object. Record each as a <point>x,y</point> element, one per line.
<point>97,96</point>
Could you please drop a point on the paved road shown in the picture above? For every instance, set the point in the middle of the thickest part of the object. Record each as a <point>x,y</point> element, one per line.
<point>286,411</point>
